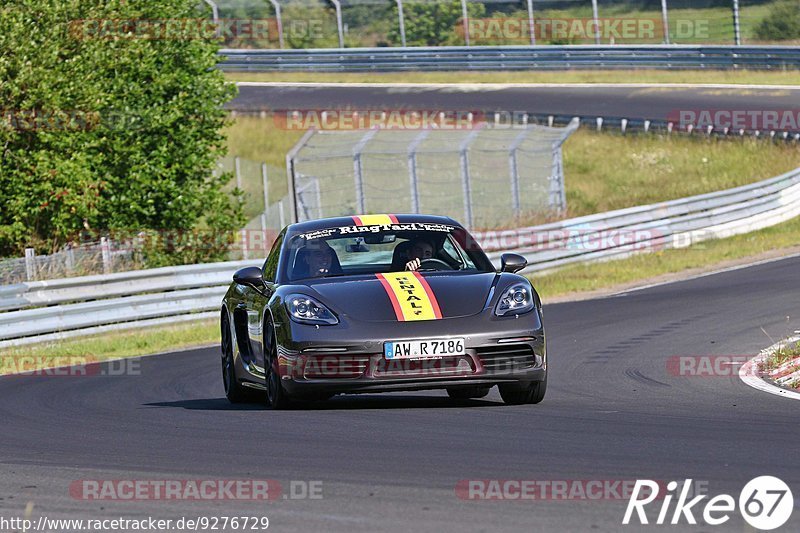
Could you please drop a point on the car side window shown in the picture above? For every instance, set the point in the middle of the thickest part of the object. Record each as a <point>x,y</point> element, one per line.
<point>270,268</point>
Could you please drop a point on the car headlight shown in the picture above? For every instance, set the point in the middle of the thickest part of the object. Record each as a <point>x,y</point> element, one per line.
<point>308,310</point>
<point>516,300</point>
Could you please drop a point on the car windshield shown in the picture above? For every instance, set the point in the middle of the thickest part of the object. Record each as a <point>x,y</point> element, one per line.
<point>355,250</point>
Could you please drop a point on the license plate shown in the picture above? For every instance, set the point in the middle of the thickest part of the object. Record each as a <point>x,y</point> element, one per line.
<point>423,349</point>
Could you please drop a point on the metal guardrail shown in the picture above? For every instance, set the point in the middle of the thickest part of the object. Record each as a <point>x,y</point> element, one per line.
<point>41,311</point>
<point>512,58</point>
<point>673,224</point>
<point>46,310</point>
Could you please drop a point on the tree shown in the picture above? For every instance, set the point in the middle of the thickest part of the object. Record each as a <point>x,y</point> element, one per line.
<point>434,23</point>
<point>111,123</point>
<point>782,23</point>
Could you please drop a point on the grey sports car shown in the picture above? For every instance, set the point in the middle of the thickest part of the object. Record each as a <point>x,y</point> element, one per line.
<point>379,303</point>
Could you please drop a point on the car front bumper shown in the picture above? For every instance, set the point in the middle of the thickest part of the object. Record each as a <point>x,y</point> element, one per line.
<point>337,360</point>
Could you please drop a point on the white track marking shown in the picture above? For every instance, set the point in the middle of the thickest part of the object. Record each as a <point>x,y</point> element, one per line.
<point>499,86</point>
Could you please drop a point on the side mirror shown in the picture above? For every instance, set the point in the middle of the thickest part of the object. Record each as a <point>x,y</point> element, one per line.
<point>250,276</point>
<point>512,263</point>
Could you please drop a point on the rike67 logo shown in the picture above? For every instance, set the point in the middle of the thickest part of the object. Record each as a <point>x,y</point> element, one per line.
<point>765,503</point>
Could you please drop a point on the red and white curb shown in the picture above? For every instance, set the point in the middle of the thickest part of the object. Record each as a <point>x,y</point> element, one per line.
<point>750,375</point>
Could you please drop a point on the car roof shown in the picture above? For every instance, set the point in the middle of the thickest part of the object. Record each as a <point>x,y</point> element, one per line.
<point>368,220</point>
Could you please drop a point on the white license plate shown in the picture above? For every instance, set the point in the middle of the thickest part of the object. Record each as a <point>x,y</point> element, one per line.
<point>423,349</point>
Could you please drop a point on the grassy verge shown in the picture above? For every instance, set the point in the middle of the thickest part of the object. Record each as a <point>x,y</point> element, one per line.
<point>113,345</point>
<point>738,77</point>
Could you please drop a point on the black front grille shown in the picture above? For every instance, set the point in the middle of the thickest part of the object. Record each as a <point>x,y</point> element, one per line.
<point>502,359</point>
<point>335,366</point>
<point>452,365</point>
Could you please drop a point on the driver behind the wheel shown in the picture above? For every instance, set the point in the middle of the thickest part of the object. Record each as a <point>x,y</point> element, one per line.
<point>319,259</point>
<point>419,251</point>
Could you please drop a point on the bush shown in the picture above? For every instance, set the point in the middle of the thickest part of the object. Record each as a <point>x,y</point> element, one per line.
<point>783,23</point>
<point>108,132</point>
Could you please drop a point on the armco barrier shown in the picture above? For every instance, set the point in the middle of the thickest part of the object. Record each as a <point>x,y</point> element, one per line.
<point>546,57</point>
<point>46,310</point>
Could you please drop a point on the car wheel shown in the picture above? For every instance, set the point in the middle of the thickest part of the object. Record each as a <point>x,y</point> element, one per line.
<point>465,393</point>
<point>533,392</point>
<point>277,397</point>
<point>233,390</point>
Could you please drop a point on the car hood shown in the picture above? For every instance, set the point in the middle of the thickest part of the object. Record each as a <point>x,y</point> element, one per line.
<point>371,298</point>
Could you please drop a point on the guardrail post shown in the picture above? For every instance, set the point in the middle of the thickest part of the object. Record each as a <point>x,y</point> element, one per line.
<point>412,169</point>
<point>465,21</point>
<point>339,26</point>
<point>737,32</point>
<point>277,7</point>
<point>358,170</point>
<point>401,21</point>
<point>665,20</point>
<point>596,22</point>
<point>105,252</point>
<point>69,259</point>
<point>30,264</point>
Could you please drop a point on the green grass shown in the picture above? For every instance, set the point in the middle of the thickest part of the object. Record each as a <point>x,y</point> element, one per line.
<point>739,77</point>
<point>605,172</point>
<point>704,255</point>
<point>113,345</point>
<point>781,356</point>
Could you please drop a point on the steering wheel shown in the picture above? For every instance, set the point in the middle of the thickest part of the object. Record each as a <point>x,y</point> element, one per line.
<point>434,264</point>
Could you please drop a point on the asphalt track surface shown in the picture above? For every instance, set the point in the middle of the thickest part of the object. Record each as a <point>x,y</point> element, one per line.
<point>653,103</point>
<point>391,462</point>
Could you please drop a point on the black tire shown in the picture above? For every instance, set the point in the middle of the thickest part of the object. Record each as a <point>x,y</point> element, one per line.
<point>277,398</point>
<point>533,392</point>
<point>233,390</point>
<point>466,393</point>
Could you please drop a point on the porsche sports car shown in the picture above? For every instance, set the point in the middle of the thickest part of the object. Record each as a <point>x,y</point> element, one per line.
<point>380,303</point>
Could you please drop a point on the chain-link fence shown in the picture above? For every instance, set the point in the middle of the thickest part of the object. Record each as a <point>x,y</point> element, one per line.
<point>101,257</point>
<point>350,23</point>
<point>484,176</point>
